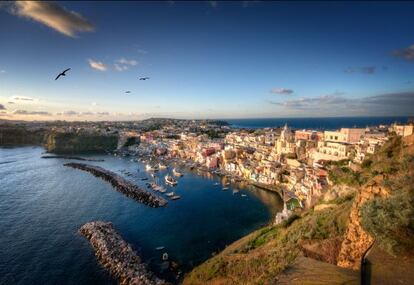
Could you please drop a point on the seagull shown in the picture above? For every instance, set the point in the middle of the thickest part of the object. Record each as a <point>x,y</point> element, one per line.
<point>62,74</point>
<point>128,92</point>
<point>144,78</point>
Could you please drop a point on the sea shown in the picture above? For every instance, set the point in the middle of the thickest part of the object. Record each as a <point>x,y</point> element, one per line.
<point>43,204</point>
<point>332,123</point>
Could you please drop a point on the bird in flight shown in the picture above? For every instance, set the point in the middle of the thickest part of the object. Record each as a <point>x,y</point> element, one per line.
<point>144,78</point>
<point>127,92</point>
<point>63,73</point>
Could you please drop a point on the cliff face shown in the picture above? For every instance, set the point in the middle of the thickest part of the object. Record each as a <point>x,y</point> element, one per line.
<point>78,143</point>
<point>357,240</point>
<point>15,135</point>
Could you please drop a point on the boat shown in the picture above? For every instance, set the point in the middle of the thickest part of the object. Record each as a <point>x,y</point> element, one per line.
<point>175,197</point>
<point>162,166</point>
<point>177,173</point>
<point>160,247</point>
<point>170,180</point>
<point>170,194</point>
<point>217,183</point>
<point>225,188</point>
<point>149,168</point>
<point>235,191</point>
<point>243,195</point>
<point>165,256</point>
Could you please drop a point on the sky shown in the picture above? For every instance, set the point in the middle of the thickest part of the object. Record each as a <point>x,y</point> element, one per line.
<point>240,59</point>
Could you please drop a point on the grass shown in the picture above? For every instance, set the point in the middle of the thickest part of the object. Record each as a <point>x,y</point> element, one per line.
<point>262,255</point>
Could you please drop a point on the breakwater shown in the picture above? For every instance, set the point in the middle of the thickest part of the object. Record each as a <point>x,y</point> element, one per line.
<point>117,256</point>
<point>122,185</point>
<point>70,157</point>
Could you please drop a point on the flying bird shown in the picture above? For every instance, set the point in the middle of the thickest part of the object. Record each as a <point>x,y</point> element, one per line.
<point>144,78</point>
<point>63,73</point>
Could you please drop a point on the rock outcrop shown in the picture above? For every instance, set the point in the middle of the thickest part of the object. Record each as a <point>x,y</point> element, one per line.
<point>357,240</point>
<point>122,185</point>
<point>117,256</point>
<point>71,142</point>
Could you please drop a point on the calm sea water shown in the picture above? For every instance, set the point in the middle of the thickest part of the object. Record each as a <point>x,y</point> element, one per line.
<point>315,123</point>
<point>43,204</point>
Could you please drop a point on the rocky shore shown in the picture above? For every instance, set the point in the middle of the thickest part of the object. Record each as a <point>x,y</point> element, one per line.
<point>117,256</point>
<point>122,185</point>
<point>70,157</point>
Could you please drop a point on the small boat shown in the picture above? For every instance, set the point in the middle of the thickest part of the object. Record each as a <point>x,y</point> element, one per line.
<point>243,195</point>
<point>162,166</point>
<point>175,197</point>
<point>165,256</point>
<point>149,168</point>
<point>169,180</point>
<point>225,188</point>
<point>144,178</point>
<point>235,191</point>
<point>170,194</point>
<point>177,173</point>
<point>160,247</point>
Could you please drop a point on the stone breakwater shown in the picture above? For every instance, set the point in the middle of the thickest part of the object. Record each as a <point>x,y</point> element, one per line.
<point>117,256</point>
<point>122,185</point>
<point>70,157</point>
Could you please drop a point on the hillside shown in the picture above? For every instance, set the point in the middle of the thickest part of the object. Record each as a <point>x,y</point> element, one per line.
<point>337,232</point>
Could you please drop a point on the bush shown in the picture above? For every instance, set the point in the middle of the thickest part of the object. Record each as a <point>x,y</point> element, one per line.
<point>391,221</point>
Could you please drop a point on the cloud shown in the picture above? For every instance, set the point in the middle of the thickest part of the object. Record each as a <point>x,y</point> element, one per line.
<point>405,53</point>
<point>2,107</point>
<point>24,112</point>
<point>103,113</point>
<point>363,69</point>
<point>94,104</point>
<point>97,65</point>
<point>390,104</point>
<point>54,16</point>
<point>2,71</point>
<point>123,64</point>
<point>22,98</point>
<point>281,91</point>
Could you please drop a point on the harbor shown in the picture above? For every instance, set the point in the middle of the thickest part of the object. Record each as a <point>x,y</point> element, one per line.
<point>122,185</point>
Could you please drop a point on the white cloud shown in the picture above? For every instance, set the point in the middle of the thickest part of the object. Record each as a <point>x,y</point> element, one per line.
<point>97,65</point>
<point>22,98</point>
<point>123,64</point>
<point>24,112</point>
<point>54,16</point>
<point>281,91</point>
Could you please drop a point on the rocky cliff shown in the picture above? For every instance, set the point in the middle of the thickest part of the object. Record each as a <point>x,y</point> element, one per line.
<point>356,240</point>
<point>59,142</point>
<point>16,135</point>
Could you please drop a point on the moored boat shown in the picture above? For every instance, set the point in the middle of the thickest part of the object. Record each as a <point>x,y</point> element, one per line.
<point>177,173</point>
<point>170,180</point>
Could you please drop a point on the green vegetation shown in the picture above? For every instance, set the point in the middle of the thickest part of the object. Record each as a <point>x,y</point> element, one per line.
<point>391,220</point>
<point>58,142</point>
<point>346,176</point>
<point>262,255</point>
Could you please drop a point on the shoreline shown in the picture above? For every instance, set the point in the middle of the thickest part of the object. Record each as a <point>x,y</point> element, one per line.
<point>122,185</point>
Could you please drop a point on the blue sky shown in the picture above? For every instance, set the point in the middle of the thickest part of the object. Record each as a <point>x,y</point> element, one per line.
<point>206,59</point>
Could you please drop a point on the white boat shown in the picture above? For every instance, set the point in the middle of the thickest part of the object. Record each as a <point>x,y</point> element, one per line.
<point>243,195</point>
<point>235,191</point>
<point>162,166</point>
<point>177,173</point>
<point>170,194</point>
<point>170,180</point>
<point>149,168</point>
<point>225,188</point>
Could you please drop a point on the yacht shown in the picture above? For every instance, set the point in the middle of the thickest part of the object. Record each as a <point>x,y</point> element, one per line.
<point>170,180</point>
<point>177,173</point>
